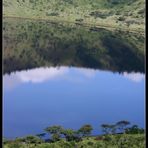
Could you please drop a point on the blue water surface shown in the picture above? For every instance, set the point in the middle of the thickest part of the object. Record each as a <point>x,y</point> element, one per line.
<point>37,98</point>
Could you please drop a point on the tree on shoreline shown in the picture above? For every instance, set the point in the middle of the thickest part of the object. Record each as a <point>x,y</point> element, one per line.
<point>55,131</point>
<point>71,135</point>
<point>85,130</point>
<point>108,129</point>
<point>121,125</point>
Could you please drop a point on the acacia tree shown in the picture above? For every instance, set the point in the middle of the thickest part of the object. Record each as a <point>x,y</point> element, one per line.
<point>121,125</point>
<point>69,134</point>
<point>85,130</point>
<point>108,128</point>
<point>55,131</point>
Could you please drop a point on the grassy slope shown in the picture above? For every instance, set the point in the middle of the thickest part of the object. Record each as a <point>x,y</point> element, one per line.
<point>93,12</point>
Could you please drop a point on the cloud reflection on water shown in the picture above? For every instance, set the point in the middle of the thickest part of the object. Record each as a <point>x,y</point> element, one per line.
<point>136,77</point>
<point>40,75</point>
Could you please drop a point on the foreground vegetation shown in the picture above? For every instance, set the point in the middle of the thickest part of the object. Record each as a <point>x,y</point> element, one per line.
<point>110,13</point>
<point>111,141</point>
<point>118,135</point>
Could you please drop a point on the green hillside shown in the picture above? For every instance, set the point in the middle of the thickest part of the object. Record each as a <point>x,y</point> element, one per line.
<point>111,13</point>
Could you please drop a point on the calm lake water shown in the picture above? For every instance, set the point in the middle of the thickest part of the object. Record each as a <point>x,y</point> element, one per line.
<point>70,76</point>
<point>71,97</point>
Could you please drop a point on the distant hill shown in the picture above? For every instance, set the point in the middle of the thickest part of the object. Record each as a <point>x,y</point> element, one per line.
<point>117,13</point>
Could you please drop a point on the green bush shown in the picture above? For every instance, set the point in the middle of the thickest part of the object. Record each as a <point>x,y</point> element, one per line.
<point>52,13</point>
<point>121,18</point>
